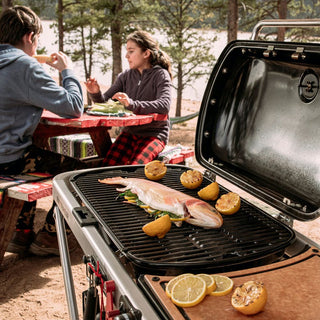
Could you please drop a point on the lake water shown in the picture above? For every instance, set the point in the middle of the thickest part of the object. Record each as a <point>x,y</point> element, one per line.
<point>49,40</point>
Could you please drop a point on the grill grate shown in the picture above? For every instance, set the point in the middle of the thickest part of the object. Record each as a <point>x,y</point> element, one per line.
<point>248,236</point>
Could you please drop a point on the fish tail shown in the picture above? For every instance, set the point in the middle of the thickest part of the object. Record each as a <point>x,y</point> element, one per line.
<point>114,180</point>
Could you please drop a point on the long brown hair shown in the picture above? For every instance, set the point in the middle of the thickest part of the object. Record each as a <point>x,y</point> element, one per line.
<point>157,57</point>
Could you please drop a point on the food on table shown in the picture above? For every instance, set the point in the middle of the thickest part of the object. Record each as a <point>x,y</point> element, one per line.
<point>224,285</point>
<point>155,170</point>
<point>173,281</point>
<point>42,58</point>
<point>210,192</point>
<point>250,297</point>
<point>191,179</point>
<point>109,107</point>
<point>159,227</point>
<point>210,282</point>
<point>188,291</point>
<point>228,203</point>
<point>169,201</point>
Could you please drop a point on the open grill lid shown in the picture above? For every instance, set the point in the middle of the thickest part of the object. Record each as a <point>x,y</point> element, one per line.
<point>259,123</point>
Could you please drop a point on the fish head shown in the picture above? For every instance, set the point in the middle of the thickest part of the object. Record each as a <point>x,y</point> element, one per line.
<point>202,214</point>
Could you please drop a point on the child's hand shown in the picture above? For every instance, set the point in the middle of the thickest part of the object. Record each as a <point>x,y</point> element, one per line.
<point>60,61</point>
<point>92,85</point>
<point>122,98</point>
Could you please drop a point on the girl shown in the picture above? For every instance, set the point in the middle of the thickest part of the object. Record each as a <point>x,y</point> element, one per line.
<point>144,88</point>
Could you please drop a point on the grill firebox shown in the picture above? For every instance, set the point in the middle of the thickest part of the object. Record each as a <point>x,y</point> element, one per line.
<point>248,238</point>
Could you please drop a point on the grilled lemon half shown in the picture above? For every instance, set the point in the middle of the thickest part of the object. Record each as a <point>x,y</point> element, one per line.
<point>228,203</point>
<point>155,170</point>
<point>250,297</point>
<point>191,179</point>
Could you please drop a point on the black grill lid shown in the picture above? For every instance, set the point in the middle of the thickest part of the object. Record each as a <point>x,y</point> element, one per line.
<point>259,123</point>
<point>247,238</point>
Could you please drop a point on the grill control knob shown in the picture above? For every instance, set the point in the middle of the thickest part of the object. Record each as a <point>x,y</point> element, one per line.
<point>308,86</point>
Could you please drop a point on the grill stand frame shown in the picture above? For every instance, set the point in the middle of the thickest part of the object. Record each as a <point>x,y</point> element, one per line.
<point>92,244</point>
<point>66,265</point>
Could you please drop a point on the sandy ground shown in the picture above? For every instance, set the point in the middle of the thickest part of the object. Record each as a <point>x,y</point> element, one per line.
<point>32,288</point>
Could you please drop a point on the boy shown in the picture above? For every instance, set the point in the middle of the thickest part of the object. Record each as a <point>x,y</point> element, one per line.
<point>25,90</point>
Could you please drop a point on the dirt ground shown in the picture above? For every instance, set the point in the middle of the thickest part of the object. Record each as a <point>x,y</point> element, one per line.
<point>32,288</point>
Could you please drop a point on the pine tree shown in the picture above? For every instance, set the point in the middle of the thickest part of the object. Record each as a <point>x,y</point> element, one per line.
<point>188,48</point>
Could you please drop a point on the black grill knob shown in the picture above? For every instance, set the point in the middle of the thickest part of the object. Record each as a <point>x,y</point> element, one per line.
<point>308,86</point>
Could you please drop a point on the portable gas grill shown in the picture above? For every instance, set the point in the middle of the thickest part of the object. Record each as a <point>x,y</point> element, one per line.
<point>258,129</point>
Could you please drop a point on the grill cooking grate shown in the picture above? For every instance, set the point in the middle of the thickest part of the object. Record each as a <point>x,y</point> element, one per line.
<point>248,236</point>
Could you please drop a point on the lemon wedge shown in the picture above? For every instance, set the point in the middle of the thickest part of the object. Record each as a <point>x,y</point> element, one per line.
<point>158,227</point>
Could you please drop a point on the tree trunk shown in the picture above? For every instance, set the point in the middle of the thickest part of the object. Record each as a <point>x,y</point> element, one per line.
<point>116,33</point>
<point>6,4</point>
<point>116,50</point>
<point>232,20</point>
<point>179,90</point>
<point>60,30</point>
<point>282,10</point>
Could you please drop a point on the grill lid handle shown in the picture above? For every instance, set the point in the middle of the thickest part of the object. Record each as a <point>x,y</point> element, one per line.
<point>283,23</point>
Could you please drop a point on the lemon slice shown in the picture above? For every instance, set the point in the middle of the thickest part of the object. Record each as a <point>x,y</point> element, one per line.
<point>173,281</point>
<point>210,282</point>
<point>210,192</point>
<point>224,285</point>
<point>155,170</point>
<point>179,219</point>
<point>130,198</point>
<point>158,227</point>
<point>188,291</point>
<point>250,297</point>
<point>228,203</point>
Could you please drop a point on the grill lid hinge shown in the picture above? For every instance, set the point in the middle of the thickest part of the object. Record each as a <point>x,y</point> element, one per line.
<point>285,219</point>
<point>210,175</point>
<point>299,54</point>
<point>270,52</point>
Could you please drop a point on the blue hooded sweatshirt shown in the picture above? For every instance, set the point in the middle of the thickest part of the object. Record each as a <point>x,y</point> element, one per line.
<point>26,90</point>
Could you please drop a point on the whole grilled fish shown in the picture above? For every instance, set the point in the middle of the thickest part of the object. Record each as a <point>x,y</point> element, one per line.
<point>163,198</point>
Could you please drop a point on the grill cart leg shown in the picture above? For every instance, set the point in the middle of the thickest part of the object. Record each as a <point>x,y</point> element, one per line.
<point>66,265</point>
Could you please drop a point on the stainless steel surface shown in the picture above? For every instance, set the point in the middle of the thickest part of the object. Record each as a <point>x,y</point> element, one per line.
<point>66,265</point>
<point>283,23</point>
<point>92,243</point>
<point>258,126</point>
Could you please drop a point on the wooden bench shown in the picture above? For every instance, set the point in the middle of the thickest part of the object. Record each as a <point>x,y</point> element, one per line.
<point>13,201</point>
